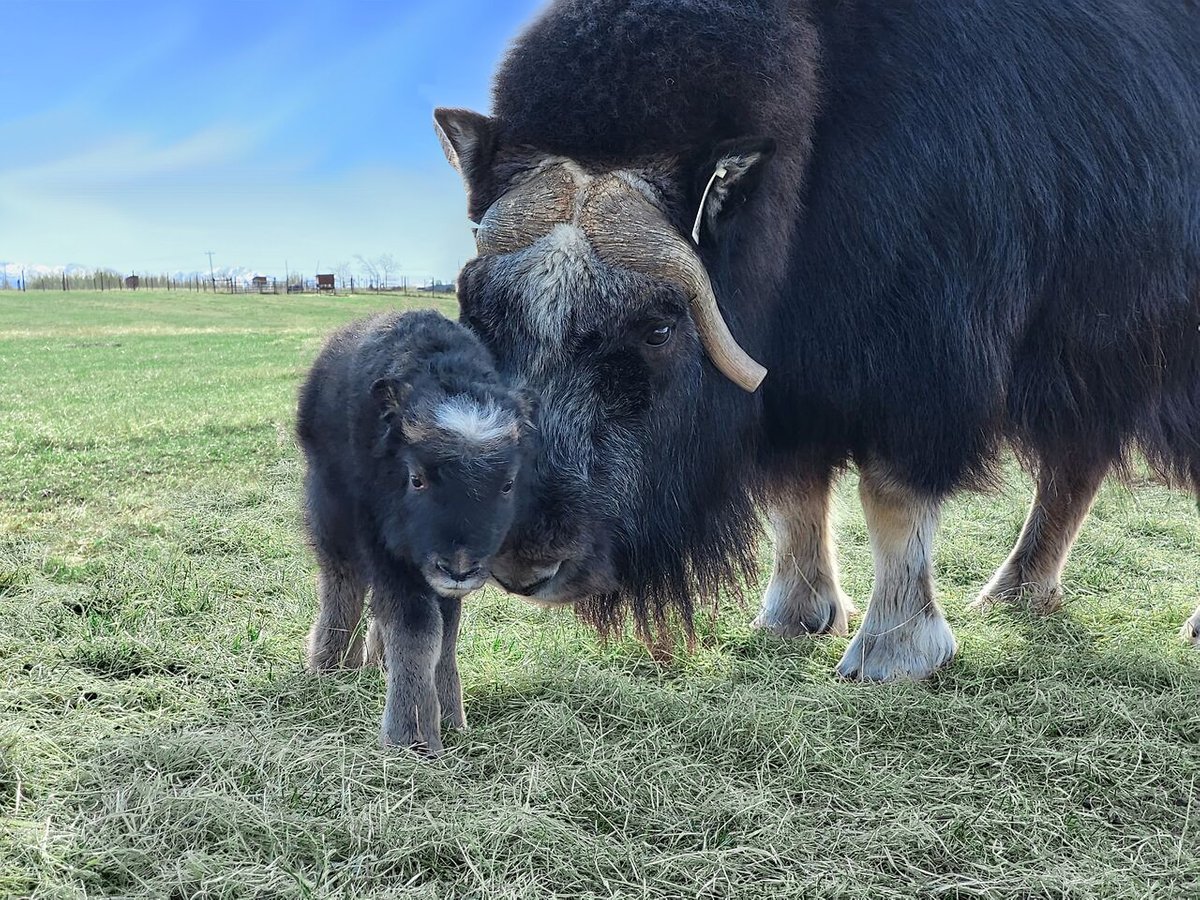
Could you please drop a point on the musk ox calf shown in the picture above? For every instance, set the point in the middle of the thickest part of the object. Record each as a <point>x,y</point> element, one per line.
<point>415,449</point>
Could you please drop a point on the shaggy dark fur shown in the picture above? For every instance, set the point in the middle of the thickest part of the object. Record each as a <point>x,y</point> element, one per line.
<point>405,501</point>
<point>982,226</point>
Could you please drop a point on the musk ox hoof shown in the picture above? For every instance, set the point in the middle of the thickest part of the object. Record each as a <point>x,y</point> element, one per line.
<point>801,614</point>
<point>909,651</point>
<point>1190,631</point>
<point>1006,587</point>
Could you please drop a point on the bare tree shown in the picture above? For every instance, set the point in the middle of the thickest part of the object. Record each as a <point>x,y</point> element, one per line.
<point>342,273</point>
<point>368,269</point>
<point>387,265</point>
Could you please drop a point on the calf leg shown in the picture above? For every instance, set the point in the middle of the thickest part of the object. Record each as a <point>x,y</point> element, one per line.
<point>904,634</point>
<point>803,596</point>
<point>1030,576</point>
<point>335,639</point>
<point>449,686</point>
<point>411,629</point>
<point>373,652</point>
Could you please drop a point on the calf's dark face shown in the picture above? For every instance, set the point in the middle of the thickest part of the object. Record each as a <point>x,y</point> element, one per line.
<point>456,475</point>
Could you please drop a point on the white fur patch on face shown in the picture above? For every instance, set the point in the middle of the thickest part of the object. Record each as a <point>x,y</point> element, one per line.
<point>481,425</point>
<point>556,269</point>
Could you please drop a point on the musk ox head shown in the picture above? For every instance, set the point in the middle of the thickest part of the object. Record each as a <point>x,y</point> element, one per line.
<point>589,290</point>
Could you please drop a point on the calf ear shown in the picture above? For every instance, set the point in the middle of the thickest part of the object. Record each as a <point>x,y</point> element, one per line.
<point>728,181</point>
<point>469,142</point>
<point>391,396</point>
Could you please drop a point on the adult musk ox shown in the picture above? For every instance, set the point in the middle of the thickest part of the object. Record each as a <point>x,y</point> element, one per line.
<point>414,451</point>
<point>942,227</point>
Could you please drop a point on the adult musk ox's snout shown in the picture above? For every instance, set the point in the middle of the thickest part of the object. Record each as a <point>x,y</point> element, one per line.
<point>558,551</point>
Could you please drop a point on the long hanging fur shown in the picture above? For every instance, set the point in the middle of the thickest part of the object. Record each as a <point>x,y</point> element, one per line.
<point>981,228</point>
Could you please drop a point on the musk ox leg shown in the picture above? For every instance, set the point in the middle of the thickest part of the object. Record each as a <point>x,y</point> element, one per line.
<point>1030,576</point>
<point>904,634</point>
<point>412,644</point>
<point>449,686</point>
<point>803,596</point>
<point>335,639</point>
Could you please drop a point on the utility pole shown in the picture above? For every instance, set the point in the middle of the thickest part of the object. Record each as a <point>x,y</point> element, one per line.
<point>211,273</point>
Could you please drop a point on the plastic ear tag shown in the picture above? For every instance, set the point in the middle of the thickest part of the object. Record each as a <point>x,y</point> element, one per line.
<point>721,172</point>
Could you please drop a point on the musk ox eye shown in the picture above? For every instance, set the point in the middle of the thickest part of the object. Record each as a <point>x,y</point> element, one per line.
<point>508,486</point>
<point>417,482</point>
<point>656,337</point>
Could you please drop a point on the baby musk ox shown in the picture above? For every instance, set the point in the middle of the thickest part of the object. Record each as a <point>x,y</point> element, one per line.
<point>739,245</point>
<point>415,451</point>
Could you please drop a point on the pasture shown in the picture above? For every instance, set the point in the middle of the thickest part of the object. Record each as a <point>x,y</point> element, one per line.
<point>159,739</point>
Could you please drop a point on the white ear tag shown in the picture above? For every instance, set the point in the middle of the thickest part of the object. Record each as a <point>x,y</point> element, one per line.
<point>720,173</point>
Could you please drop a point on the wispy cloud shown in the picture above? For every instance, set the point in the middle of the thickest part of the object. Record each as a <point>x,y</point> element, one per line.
<point>267,132</point>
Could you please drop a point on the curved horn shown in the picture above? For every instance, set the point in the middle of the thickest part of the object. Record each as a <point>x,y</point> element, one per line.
<point>526,213</point>
<point>627,231</point>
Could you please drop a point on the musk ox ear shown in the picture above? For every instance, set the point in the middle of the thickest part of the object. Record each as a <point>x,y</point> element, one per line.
<point>469,142</point>
<point>391,395</point>
<point>734,171</point>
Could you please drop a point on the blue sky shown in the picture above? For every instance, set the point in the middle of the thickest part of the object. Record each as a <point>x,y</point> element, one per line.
<point>138,135</point>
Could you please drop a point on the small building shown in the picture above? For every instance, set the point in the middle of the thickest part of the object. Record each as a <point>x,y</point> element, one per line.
<point>325,283</point>
<point>259,283</point>
<point>132,282</point>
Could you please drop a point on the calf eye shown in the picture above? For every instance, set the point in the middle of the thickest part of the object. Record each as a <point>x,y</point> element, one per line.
<point>507,487</point>
<point>417,482</point>
<point>656,337</point>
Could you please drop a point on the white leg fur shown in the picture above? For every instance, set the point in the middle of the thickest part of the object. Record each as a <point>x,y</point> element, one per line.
<point>904,634</point>
<point>1031,576</point>
<point>803,596</point>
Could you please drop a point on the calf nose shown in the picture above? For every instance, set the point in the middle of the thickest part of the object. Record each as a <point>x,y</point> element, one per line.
<point>458,569</point>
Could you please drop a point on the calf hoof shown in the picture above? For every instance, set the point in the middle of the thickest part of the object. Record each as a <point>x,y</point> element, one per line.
<point>1190,631</point>
<point>910,651</point>
<point>426,746</point>
<point>323,655</point>
<point>816,613</point>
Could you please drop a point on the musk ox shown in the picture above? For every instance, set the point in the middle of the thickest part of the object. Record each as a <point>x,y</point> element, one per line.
<point>414,449</point>
<point>941,228</point>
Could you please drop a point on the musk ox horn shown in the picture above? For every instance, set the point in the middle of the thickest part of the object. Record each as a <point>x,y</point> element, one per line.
<point>526,213</point>
<point>627,231</point>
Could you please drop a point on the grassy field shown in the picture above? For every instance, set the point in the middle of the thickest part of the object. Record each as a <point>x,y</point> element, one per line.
<point>159,739</point>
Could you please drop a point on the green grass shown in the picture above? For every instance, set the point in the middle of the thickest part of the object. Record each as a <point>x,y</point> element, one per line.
<point>159,739</point>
